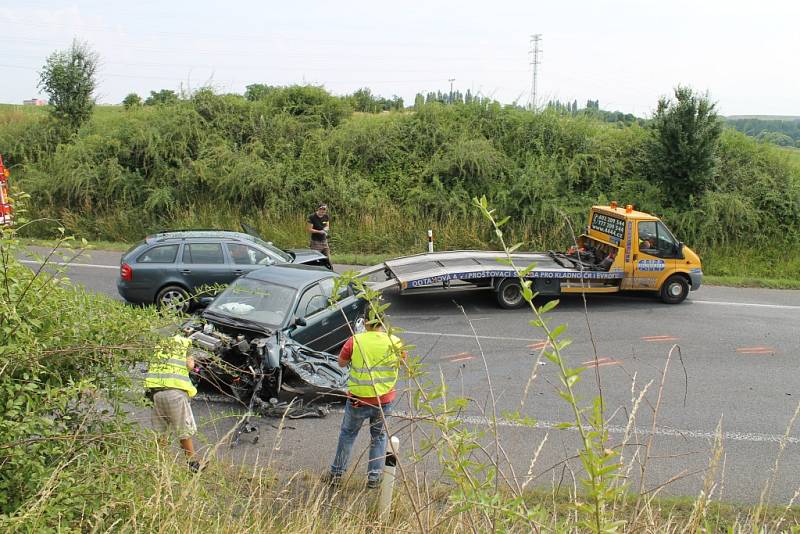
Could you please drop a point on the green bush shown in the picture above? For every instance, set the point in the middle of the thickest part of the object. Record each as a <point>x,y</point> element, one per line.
<point>65,369</point>
<point>387,176</point>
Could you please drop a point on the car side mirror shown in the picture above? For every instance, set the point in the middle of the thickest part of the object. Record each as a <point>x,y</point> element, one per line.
<point>680,250</point>
<point>205,301</point>
<point>299,321</point>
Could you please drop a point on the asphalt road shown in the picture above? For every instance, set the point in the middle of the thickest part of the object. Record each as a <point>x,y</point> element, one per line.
<point>735,368</point>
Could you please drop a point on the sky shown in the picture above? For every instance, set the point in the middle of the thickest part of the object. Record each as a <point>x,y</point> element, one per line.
<point>623,53</point>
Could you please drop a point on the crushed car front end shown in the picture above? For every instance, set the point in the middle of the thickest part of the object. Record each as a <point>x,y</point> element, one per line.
<point>243,363</point>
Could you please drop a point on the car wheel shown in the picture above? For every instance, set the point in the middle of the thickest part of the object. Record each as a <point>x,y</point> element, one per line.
<point>173,298</point>
<point>675,289</point>
<point>509,294</point>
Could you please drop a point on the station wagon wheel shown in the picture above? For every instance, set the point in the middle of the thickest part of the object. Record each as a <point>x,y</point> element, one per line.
<point>675,289</point>
<point>509,294</point>
<point>173,298</point>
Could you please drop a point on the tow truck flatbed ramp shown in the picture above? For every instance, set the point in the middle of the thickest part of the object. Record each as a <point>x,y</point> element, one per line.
<point>468,267</point>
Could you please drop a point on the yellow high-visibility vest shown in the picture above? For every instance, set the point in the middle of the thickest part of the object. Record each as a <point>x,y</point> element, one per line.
<point>374,364</point>
<point>168,369</point>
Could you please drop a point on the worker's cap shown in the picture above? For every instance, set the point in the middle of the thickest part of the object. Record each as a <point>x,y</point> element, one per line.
<point>322,206</point>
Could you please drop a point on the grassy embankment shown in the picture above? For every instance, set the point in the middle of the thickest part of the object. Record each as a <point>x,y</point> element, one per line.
<point>214,161</point>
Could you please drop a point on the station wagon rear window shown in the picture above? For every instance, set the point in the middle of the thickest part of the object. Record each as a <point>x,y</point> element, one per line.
<point>608,225</point>
<point>162,254</point>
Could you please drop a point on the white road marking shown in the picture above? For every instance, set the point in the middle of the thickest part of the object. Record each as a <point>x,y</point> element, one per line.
<point>470,336</point>
<point>755,437</point>
<point>65,264</point>
<point>659,431</point>
<point>746,304</point>
<point>614,429</point>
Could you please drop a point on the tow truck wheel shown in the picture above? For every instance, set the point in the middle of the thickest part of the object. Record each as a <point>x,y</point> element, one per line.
<point>675,289</point>
<point>509,294</point>
<point>173,298</point>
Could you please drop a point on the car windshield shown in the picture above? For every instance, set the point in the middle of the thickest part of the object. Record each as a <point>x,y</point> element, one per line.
<point>269,246</point>
<point>255,300</point>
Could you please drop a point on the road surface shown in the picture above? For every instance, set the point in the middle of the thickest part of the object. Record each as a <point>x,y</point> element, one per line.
<point>735,367</point>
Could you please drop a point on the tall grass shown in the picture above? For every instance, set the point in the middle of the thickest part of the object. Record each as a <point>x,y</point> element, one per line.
<point>150,490</point>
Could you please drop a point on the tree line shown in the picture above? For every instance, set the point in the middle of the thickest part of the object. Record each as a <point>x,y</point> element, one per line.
<point>784,133</point>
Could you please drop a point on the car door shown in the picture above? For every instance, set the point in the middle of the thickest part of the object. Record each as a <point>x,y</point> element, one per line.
<point>310,308</point>
<point>348,307</point>
<point>327,327</point>
<point>203,263</point>
<point>151,269</point>
<point>656,253</point>
<point>245,258</point>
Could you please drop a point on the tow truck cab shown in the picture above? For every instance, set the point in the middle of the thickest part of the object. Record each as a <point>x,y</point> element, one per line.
<point>646,252</point>
<point>5,201</point>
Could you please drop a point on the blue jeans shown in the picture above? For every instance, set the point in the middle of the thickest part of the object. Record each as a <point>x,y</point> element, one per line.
<point>351,424</point>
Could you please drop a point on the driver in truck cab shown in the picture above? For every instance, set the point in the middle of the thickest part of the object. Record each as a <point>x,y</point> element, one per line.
<point>646,241</point>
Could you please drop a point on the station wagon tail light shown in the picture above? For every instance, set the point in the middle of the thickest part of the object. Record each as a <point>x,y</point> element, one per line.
<point>125,272</point>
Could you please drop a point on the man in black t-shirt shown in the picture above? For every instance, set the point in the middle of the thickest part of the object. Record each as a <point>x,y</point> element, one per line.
<point>319,226</point>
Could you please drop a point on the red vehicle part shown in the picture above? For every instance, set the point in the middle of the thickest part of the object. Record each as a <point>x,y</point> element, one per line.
<point>5,201</point>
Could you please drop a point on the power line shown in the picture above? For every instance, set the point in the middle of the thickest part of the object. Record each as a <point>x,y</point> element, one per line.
<point>253,66</point>
<point>535,51</point>
<point>276,36</point>
<point>255,51</point>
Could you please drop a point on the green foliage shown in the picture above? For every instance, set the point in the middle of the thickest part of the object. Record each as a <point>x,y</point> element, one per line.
<point>683,146</point>
<point>257,91</point>
<point>132,101</point>
<point>309,102</point>
<point>65,359</point>
<point>776,138</point>
<point>388,177</point>
<point>364,101</point>
<point>68,77</point>
<point>164,97</point>
<point>602,481</point>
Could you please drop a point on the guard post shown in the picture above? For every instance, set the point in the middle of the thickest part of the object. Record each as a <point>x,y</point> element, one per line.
<point>387,485</point>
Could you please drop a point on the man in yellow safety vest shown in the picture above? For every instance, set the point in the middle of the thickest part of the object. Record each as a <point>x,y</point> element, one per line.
<point>169,387</point>
<point>374,358</point>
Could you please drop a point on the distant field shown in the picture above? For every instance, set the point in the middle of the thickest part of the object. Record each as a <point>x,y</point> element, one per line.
<point>794,154</point>
<point>765,117</point>
<point>15,109</point>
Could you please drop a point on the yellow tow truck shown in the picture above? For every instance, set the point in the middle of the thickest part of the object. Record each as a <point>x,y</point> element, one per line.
<point>643,250</point>
<point>621,249</point>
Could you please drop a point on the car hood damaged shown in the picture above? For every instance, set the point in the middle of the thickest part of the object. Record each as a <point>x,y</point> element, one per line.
<point>317,369</point>
<point>256,367</point>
